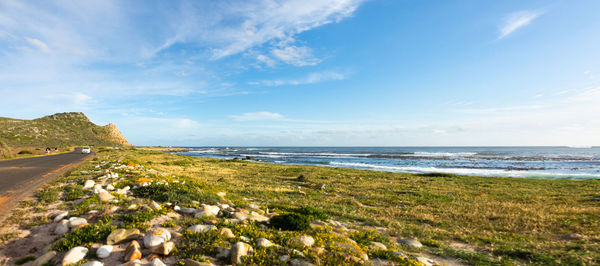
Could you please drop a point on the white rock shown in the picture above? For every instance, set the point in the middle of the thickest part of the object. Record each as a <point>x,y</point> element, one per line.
<point>155,206</point>
<point>104,251</point>
<point>44,258</point>
<point>238,250</point>
<point>105,196</point>
<point>377,246</point>
<point>221,194</point>
<point>110,187</point>
<point>302,241</point>
<point>258,218</point>
<point>188,210</point>
<point>132,207</point>
<point>263,242</point>
<point>411,242</point>
<point>74,255</point>
<point>176,208</point>
<point>89,184</point>
<point>156,237</point>
<point>60,216</point>
<point>97,188</point>
<point>426,261</point>
<point>201,228</point>
<point>245,238</point>
<point>208,210</point>
<point>157,262</point>
<point>76,221</point>
<point>93,263</point>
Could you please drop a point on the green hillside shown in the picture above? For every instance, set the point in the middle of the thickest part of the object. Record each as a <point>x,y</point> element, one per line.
<point>58,130</point>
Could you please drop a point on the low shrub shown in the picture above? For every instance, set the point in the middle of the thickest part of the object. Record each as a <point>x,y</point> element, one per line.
<point>197,245</point>
<point>25,152</point>
<point>48,195</point>
<point>24,260</point>
<point>73,192</point>
<point>179,163</point>
<point>140,217</point>
<point>175,193</point>
<point>88,234</point>
<point>290,222</point>
<point>365,237</point>
<point>312,212</point>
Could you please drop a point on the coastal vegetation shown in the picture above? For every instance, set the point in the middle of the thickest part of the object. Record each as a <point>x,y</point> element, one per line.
<point>348,213</point>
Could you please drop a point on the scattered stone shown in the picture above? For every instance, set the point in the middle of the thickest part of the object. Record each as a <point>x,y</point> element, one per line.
<point>350,248</point>
<point>399,254</point>
<point>221,194</point>
<point>133,251</point>
<point>62,228</point>
<point>60,216</point>
<point>226,232</point>
<point>76,222</point>
<point>132,263</point>
<point>188,210</point>
<point>411,242</point>
<point>132,207</point>
<point>105,196</point>
<point>74,255</point>
<point>104,251</point>
<point>426,261</point>
<point>223,253</point>
<point>380,262</point>
<point>299,262</point>
<point>253,206</point>
<point>157,262</point>
<point>93,263</point>
<point>302,242</point>
<point>208,210</point>
<point>155,206</point>
<point>89,184</point>
<point>240,216</point>
<point>263,242</point>
<point>163,248</point>
<point>238,250</point>
<point>97,189</point>
<point>110,187</point>
<point>156,237</point>
<point>44,258</point>
<point>244,238</point>
<point>120,235</point>
<point>284,258</point>
<point>201,228</point>
<point>258,218</point>
<point>377,246</point>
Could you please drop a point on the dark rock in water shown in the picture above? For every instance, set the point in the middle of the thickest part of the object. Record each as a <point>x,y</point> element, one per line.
<point>249,158</point>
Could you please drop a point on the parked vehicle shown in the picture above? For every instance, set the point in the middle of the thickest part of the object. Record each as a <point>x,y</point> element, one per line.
<point>86,150</point>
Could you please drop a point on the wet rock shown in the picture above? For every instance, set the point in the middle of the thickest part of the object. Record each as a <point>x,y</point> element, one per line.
<point>263,242</point>
<point>163,248</point>
<point>133,251</point>
<point>207,210</point>
<point>377,246</point>
<point>105,196</point>
<point>302,242</point>
<point>60,216</point>
<point>62,228</point>
<point>156,237</point>
<point>201,228</point>
<point>238,250</point>
<point>74,255</point>
<point>76,222</point>
<point>226,232</point>
<point>157,262</point>
<point>93,263</point>
<point>104,251</point>
<point>89,184</point>
<point>410,242</point>
<point>120,235</point>
<point>44,258</point>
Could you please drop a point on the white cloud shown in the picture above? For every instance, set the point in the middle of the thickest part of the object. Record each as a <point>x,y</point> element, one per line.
<point>39,45</point>
<point>517,20</point>
<point>257,116</point>
<point>297,56</point>
<point>311,78</point>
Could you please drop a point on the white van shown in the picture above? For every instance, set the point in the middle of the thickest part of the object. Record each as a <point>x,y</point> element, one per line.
<point>86,150</point>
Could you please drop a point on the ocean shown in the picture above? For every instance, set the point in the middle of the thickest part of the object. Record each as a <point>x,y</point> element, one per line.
<point>526,162</point>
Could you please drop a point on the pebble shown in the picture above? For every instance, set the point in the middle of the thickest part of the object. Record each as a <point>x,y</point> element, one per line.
<point>93,263</point>
<point>44,258</point>
<point>157,262</point>
<point>60,216</point>
<point>104,251</point>
<point>208,210</point>
<point>133,251</point>
<point>119,235</point>
<point>105,196</point>
<point>156,237</point>
<point>411,242</point>
<point>163,248</point>
<point>377,246</point>
<point>201,228</point>
<point>62,228</point>
<point>74,255</point>
<point>263,242</point>
<point>76,222</point>
<point>155,206</point>
<point>226,232</point>
<point>302,241</point>
<point>89,184</point>
<point>238,250</point>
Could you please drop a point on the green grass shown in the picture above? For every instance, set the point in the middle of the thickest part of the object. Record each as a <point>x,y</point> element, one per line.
<point>504,220</point>
<point>84,235</point>
<point>176,193</point>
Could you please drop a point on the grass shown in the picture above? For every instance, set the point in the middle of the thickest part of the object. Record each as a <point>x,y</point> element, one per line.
<point>504,220</point>
<point>176,193</point>
<point>84,235</point>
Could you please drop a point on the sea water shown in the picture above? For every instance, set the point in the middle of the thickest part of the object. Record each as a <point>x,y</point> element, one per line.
<point>536,162</point>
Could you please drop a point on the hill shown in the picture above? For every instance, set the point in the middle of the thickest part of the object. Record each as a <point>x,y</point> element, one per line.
<point>58,130</point>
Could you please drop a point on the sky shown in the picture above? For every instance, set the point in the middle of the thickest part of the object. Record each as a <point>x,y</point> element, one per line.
<point>310,72</point>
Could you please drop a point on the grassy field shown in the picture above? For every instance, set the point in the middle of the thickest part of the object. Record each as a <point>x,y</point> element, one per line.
<point>475,219</point>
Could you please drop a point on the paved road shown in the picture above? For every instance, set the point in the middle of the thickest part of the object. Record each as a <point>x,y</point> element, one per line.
<point>21,176</point>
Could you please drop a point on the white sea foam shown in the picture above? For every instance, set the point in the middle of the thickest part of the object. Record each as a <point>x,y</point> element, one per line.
<point>467,171</point>
<point>318,154</point>
<point>442,154</point>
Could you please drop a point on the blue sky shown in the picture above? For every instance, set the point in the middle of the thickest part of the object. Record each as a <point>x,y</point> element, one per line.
<point>310,72</point>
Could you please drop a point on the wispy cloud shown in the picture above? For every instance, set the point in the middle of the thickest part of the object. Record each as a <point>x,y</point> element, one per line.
<point>257,116</point>
<point>298,56</point>
<point>517,20</point>
<point>314,77</point>
<point>39,45</point>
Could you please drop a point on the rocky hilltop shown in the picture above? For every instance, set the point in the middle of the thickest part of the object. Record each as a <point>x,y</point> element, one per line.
<point>58,130</point>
